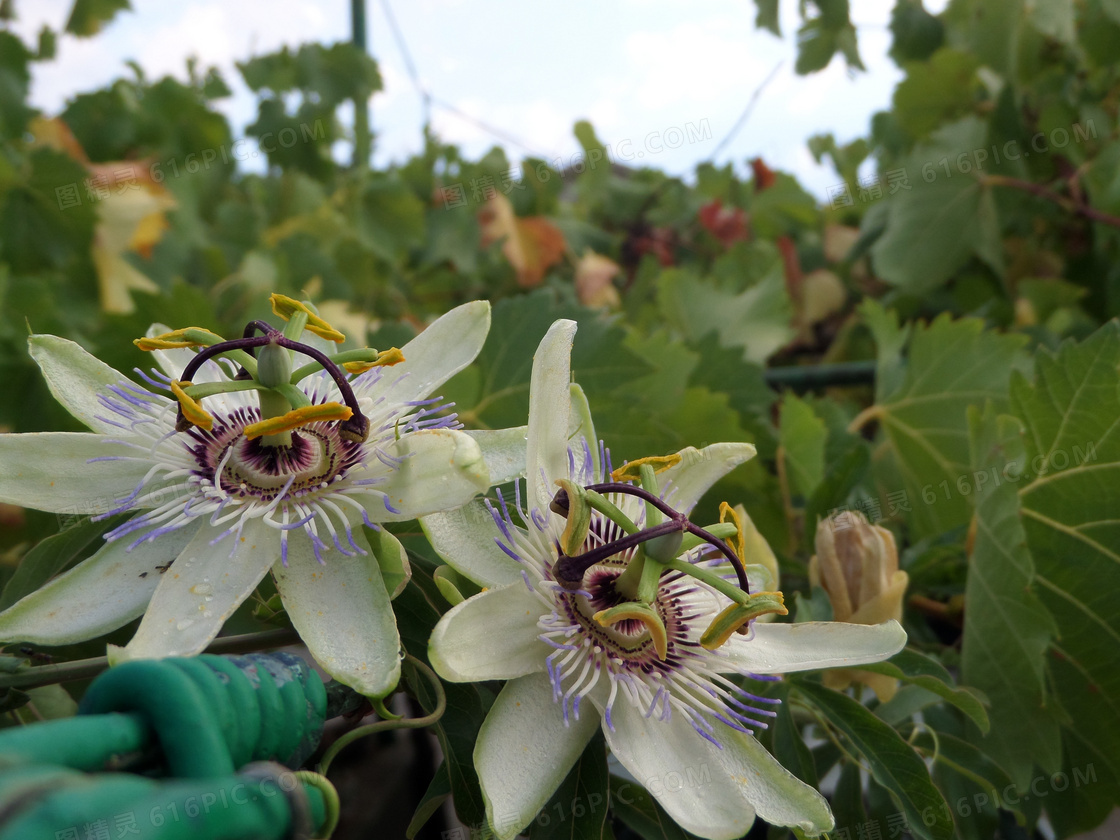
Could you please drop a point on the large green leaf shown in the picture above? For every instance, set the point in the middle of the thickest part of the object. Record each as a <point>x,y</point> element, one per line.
<point>640,811</point>
<point>952,365</point>
<point>1007,629</point>
<point>893,762</point>
<point>756,320</point>
<point>916,668</point>
<point>802,435</point>
<point>935,91</point>
<point>1071,414</point>
<point>946,216</point>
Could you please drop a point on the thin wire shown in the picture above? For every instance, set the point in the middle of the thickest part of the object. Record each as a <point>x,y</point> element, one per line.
<point>409,64</point>
<point>429,99</point>
<point>739,123</point>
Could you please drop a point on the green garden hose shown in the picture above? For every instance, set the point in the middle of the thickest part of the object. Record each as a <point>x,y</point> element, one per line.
<point>195,721</point>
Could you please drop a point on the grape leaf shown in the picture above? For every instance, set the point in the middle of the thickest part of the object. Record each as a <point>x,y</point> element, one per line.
<point>1072,444</point>
<point>803,437</point>
<point>952,365</point>
<point>88,16</point>
<point>1007,629</point>
<point>946,216</point>
<point>756,320</point>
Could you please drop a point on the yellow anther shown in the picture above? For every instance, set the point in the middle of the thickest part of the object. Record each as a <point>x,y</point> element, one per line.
<point>738,544</point>
<point>386,358</point>
<point>286,307</point>
<point>638,611</point>
<point>298,417</point>
<point>737,617</point>
<point>186,337</point>
<point>192,409</point>
<point>632,470</point>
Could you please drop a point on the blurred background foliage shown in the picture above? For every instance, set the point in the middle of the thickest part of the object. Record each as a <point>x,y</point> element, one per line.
<point>973,230</point>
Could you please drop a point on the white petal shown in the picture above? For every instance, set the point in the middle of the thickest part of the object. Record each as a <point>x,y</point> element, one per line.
<point>76,379</point>
<point>439,469</point>
<point>504,451</point>
<point>784,648</point>
<point>712,792</point>
<point>341,611</point>
<point>202,589</point>
<point>444,348</point>
<point>51,471</point>
<point>465,538</point>
<point>492,636</point>
<point>777,795</point>
<point>546,456</point>
<point>525,751</point>
<point>699,469</point>
<point>682,770</point>
<point>100,594</point>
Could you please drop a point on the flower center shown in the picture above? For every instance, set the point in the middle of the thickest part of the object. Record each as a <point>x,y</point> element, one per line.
<point>248,470</point>
<point>628,639</point>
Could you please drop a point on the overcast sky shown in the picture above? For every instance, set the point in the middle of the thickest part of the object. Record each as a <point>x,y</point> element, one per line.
<point>632,67</point>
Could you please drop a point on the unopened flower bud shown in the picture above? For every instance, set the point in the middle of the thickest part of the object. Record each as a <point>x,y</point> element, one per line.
<point>857,564</point>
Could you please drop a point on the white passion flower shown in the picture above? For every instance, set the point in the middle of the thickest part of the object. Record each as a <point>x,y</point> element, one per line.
<point>600,616</point>
<point>232,463</point>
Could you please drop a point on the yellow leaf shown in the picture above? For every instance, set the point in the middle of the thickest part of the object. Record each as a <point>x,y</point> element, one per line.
<point>532,245</point>
<point>594,274</point>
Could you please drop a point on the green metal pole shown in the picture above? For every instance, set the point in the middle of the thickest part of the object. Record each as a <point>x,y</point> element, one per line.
<point>362,136</point>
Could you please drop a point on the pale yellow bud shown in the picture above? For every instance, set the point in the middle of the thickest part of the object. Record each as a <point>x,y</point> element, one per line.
<point>857,565</point>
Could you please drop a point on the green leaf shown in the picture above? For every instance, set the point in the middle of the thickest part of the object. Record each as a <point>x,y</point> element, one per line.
<point>1007,629</point>
<point>467,704</point>
<point>802,435</point>
<point>47,702</point>
<point>757,320</point>
<point>88,16</point>
<point>843,475</point>
<point>54,555</point>
<point>918,669</point>
<point>432,800</point>
<point>391,220</point>
<point>946,216</point>
<point>889,341</point>
<point>1053,18</point>
<point>723,370</point>
<point>601,364</point>
<point>952,365</point>
<point>47,44</point>
<point>847,801</point>
<point>580,807</point>
<point>917,33</point>
<point>789,746</point>
<point>893,762</point>
<point>935,92</point>
<point>640,811</point>
<point>966,761</point>
<point>1072,452</point>
<point>767,17</point>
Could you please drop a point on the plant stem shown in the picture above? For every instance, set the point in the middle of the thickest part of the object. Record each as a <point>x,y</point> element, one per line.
<point>82,669</point>
<point>1078,208</point>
